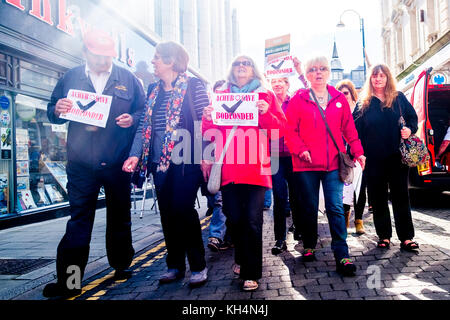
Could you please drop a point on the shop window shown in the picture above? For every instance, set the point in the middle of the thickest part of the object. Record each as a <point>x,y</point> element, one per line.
<point>36,79</point>
<point>40,156</point>
<point>6,163</point>
<point>3,69</point>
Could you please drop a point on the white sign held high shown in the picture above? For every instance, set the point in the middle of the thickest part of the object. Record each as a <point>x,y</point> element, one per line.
<point>280,67</point>
<point>88,108</point>
<point>232,109</point>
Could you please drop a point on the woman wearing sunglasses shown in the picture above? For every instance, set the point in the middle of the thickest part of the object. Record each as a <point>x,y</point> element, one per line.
<point>246,170</point>
<point>348,90</point>
<point>315,158</point>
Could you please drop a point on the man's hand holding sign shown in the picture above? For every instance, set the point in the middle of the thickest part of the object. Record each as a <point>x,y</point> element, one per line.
<point>89,108</point>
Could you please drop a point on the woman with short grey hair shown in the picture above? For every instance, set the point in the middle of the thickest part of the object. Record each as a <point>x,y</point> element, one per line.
<point>315,158</point>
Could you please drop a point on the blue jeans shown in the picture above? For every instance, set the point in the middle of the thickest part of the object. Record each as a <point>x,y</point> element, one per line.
<point>268,198</point>
<point>308,184</point>
<point>283,195</point>
<point>217,225</point>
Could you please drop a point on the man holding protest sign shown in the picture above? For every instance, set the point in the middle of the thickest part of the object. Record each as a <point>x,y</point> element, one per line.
<point>103,103</point>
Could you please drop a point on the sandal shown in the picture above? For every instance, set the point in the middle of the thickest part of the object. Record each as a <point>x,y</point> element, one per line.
<point>411,246</point>
<point>384,244</point>
<point>250,285</point>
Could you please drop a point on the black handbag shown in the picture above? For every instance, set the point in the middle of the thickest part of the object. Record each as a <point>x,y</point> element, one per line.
<point>346,164</point>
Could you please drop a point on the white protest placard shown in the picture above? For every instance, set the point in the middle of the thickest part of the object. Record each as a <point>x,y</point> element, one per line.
<point>281,67</point>
<point>232,109</point>
<point>88,107</point>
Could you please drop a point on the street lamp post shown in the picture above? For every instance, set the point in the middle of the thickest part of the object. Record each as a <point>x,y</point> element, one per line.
<point>361,23</point>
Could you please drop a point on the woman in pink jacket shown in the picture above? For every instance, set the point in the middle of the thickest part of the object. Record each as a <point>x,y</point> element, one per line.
<point>246,170</point>
<point>315,158</point>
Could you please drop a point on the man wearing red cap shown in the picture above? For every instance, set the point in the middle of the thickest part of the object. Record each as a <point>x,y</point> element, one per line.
<point>95,156</point>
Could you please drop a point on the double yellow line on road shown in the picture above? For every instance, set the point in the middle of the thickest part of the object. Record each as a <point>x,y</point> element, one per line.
<point>92,285</point>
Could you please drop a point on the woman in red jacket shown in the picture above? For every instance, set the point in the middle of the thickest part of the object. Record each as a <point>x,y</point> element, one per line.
<point>246,171</point>
<point>315,158</point>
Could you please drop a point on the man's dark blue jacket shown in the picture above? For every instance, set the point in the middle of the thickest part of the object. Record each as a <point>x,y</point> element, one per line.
<point>96,147</point>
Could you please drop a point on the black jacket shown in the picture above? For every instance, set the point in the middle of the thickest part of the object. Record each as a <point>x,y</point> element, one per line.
<point>379,129</point>
<point>101,147</point>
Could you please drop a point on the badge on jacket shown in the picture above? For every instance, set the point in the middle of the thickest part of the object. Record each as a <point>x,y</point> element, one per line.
<point>123,88</point>
<point>339,105</point>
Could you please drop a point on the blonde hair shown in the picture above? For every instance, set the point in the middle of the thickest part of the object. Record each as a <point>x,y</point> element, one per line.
<point>317,60</point>
<point>390,90</point>
<point>350,87</point>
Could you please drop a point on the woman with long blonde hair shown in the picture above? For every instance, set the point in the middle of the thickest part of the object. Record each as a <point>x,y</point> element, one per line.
<point>380,129</point>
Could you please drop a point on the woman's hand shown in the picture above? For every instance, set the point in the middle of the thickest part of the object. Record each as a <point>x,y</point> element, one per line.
<point>206,166</point>
<point>298,66</point>
<point>263,106</point>
<point>306,156</point>
<point>362,161</point>
<point>130,164</point>
<point>207,113</point>
<point>405,132</point>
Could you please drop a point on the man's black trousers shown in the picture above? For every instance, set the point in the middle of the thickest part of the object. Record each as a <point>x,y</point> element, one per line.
<point>83,188</point>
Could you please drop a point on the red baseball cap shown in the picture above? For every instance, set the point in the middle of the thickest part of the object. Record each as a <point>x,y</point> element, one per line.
<point>100,43</point>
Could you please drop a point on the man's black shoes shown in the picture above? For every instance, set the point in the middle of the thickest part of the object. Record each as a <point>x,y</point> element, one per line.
<point>123,274</point>
<point>55,290</point>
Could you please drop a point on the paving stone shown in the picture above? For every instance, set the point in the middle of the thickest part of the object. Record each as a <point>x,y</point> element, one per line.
<point>335,295</point>
<point>362,293</point>
<point>318,288</point>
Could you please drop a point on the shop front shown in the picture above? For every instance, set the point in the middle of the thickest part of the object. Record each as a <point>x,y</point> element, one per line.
<point>39,41</point>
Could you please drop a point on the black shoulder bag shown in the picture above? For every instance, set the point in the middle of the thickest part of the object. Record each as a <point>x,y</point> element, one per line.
<point>346,164</point>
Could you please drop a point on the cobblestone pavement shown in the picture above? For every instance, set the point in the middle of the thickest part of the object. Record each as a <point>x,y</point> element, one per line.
<point>382,274</point>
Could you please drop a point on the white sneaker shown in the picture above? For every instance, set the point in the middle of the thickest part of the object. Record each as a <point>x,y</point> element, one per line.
<point>198,278</point>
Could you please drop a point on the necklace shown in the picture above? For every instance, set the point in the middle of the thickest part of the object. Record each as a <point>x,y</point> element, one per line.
<point>321,99</point>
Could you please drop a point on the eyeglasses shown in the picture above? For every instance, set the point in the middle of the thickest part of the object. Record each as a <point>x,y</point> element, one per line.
<point>243,63</point>
<point>321,69</point>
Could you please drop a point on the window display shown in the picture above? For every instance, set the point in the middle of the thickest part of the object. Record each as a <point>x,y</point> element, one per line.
<point>40,156</point>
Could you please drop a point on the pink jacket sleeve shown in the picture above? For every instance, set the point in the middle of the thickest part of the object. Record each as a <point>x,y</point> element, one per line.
<point>274,118</point>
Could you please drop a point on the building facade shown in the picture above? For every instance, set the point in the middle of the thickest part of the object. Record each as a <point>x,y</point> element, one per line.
<point>208,29</point>
<point>39,42</point>
<point>338,74</point>
<point>416,36</point>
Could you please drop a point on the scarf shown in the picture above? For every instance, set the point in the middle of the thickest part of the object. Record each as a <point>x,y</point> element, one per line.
<point>249,87</point>
<point>173,112</point>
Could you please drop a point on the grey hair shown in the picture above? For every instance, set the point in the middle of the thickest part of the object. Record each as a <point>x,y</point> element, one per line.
<point>317,60</point>
<point>256,73</point>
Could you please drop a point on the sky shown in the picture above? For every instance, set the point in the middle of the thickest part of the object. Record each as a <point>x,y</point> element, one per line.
<point>312,25</point>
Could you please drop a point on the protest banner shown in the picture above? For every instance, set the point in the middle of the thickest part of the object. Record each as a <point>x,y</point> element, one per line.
<point>276,47</point>
<point>235,109</point>
<point>88,108</point>
<point>281,67</point>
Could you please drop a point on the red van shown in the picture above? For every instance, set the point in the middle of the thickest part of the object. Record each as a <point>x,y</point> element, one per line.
<point>432,105</point>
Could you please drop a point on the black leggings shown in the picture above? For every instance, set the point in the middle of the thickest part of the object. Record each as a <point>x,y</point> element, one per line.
<point>243,206</point>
